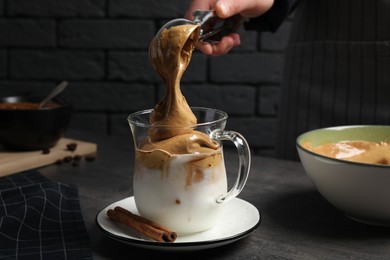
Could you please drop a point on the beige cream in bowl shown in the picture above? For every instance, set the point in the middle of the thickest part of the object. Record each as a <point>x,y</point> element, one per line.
<point>350,167</point>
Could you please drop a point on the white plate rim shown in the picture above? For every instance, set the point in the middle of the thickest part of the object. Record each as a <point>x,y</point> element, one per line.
<point>197,245</point>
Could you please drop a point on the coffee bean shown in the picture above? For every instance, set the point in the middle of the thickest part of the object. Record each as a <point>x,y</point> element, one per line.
<point>71,146</point>
<point>68,159</point>
<point>77,158</point>
<point>59,162</point>
<point>45,151</point>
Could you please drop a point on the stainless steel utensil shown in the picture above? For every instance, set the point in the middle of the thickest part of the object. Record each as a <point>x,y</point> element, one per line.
<point>57,90</point>
<point>213,28</point>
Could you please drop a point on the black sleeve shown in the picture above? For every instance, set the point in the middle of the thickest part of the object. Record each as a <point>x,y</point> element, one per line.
<point>273,18</point>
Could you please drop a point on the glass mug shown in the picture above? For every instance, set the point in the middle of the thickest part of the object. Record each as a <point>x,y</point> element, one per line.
<point>186,192</point>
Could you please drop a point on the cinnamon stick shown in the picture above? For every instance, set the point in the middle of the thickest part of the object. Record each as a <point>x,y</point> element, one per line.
<point>142,225</point>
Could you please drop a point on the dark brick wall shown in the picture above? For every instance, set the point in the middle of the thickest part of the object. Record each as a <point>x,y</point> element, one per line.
<point>100,47</point>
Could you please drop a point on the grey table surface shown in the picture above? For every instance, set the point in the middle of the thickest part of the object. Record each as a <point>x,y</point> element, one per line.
<point>297,222</point>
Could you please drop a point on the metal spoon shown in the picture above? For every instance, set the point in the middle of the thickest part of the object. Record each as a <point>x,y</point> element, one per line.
<point>174,22</point>
<point>57,90</point>
<point>212,27</point>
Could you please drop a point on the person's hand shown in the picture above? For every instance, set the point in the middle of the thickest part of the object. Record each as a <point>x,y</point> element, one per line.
<point>225,9</point>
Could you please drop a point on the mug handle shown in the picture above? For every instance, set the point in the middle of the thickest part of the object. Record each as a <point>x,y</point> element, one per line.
<point>244,162</point>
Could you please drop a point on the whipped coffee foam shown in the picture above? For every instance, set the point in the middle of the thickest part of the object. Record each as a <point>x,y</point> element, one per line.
<point>179,171</point>
<point>170,55</point>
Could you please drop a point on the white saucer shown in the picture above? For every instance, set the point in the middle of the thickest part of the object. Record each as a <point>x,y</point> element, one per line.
<point>239,220</point>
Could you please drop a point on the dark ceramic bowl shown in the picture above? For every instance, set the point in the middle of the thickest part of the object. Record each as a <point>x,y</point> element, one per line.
<point>32,129</point>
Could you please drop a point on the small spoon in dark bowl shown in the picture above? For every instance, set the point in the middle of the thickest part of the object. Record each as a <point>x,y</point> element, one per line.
<point>57,90</point>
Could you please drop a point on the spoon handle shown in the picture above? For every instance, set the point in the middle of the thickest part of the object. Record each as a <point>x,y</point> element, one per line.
<point>213,28</point>
<point>58,89</point>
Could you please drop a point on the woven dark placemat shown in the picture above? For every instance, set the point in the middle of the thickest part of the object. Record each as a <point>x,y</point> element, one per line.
<point>41,219</point>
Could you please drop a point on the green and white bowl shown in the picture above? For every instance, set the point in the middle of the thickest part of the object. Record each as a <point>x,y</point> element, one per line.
<point>360,190</point>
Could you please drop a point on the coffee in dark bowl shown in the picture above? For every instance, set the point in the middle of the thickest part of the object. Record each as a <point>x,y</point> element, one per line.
<point>24,126</point>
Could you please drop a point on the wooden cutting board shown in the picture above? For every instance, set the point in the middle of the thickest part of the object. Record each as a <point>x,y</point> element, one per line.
<point>13,162</point>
